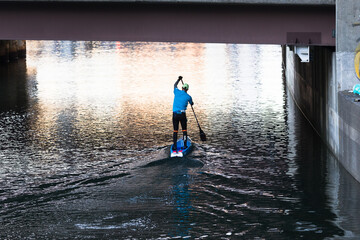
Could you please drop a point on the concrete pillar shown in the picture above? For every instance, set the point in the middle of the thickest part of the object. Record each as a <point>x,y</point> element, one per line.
<point>347,41</point>
<point>13,51</point>
<point>4,52</point>
<point>347,71</point>
<point>21,48</point>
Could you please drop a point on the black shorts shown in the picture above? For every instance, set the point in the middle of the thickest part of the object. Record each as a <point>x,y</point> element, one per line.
<point>179,118</point>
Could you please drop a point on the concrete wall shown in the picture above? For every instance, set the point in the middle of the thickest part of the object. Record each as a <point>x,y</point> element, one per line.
<point>347,40</point>
<point>322,88</point>
<point>333,114</point>
<point>313,87</point>
<point>347,44</point>
<point>349,129</point>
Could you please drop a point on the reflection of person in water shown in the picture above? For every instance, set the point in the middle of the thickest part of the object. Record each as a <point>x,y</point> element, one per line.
<point>181,197</point>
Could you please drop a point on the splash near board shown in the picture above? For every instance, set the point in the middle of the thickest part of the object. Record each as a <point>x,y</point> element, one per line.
<point>181,151</point>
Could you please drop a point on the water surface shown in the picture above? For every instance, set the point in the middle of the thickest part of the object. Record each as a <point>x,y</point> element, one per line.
<point>85,129</point>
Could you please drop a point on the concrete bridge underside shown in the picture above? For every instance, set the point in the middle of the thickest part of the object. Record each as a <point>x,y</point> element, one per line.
<point>215,23</point>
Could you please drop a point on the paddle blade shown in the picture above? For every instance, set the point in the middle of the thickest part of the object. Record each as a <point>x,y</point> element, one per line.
<point>202,135</point>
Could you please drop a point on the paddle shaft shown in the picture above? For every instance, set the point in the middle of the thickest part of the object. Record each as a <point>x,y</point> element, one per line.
<point>202,134</point>
<point>192,108</point>
<point>195,117</point>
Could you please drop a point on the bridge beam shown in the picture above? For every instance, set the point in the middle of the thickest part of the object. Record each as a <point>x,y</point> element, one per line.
<point>220,23</point>
<point>233,2</point>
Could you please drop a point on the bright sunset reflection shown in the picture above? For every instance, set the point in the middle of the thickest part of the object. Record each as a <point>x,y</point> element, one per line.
<point>108,85</point>
<point>102,87</point>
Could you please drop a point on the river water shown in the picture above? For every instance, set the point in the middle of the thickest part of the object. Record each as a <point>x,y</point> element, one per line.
<point>85,129</point>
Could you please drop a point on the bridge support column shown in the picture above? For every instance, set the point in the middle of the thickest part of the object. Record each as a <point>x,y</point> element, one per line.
<point>21,48</point>
<point>4,52</point>
<point>322,88</point>
<point>13,51</point>
<point>347,41</point>
<point>347,75</point>
<point>312,86</point>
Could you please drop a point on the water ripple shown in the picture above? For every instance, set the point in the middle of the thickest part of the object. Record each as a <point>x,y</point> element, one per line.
<point>85,129</point>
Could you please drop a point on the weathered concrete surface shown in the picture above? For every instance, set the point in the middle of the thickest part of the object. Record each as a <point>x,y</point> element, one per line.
<point>251,2</point>
<point>347,40</point>
<point>347,25</point>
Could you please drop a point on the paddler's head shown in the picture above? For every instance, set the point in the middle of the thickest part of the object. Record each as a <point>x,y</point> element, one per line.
<point>185,87</point>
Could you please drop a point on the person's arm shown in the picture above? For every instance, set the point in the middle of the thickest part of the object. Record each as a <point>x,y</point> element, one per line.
<point>177,82</point>
<point>191,101</point>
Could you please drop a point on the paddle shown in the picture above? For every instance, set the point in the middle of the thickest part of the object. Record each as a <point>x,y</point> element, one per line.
<point>202,134</point>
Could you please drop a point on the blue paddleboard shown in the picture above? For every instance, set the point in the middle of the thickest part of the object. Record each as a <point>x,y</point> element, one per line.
<point>180,148</point>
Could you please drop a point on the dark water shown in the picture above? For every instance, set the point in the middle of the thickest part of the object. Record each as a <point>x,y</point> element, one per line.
<point>85,129</point>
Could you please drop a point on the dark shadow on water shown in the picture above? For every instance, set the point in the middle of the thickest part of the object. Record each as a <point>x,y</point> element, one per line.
<point>161,158</point>
<point>184,161</point>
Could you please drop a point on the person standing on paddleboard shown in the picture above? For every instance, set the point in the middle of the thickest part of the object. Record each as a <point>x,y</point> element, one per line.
<point>181,100</point>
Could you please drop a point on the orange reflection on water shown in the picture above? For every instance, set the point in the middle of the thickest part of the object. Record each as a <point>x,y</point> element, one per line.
<point>94,90</point>
<point>102,87</point>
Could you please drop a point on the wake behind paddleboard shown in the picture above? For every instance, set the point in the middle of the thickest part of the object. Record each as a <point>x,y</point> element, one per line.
<point>180,151</point>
